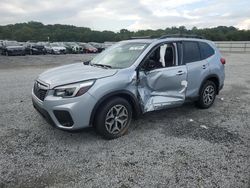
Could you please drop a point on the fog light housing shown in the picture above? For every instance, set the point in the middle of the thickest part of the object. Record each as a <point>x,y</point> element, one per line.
<point>64,118</point>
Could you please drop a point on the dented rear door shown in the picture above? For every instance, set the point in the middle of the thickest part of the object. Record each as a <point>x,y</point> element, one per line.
<point>162,88</point>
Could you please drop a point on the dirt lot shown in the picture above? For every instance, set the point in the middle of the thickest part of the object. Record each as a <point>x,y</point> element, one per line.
<point>162,149</point>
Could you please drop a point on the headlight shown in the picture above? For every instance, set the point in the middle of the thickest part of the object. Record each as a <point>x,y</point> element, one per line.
<point>73,90</point>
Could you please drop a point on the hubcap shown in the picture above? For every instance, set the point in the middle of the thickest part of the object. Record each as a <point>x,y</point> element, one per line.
<point>116,119</point>
<point>208,95</point>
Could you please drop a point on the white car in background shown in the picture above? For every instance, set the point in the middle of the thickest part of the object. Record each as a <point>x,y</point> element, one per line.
<point>57,48</point>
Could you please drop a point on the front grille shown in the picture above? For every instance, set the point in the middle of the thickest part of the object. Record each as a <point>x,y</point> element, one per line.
<point>40,90</point>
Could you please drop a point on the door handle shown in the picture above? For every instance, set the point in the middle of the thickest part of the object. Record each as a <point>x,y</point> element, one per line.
<point>179,73</point>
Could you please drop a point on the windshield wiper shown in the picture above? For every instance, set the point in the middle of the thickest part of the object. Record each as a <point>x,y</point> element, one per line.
<point>101,65</point>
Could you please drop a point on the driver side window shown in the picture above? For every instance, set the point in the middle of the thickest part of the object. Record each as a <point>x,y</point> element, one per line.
<point>162,56</point>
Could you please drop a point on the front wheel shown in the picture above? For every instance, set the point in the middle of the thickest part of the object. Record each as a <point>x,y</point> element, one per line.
<point>207,95</point>
<point>113,118</point>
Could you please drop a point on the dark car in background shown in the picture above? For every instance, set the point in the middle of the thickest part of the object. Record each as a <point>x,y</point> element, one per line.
<point>34,48</point>
<point>47,46</point>
<point>1,46</point>
<point>12,48</point>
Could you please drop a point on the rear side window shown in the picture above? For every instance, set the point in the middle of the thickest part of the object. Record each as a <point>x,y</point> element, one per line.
<point>206,50</point>
<point>191,52</point>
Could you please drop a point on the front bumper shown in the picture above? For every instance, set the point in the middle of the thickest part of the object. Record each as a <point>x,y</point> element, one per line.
<point>59,52</point>
<point>16,52</point>
<point>79,110</point>
<point>38,52</point>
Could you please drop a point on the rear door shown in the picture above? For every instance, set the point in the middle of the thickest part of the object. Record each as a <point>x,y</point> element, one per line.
<point>163,86</point>
<point>197,68</point>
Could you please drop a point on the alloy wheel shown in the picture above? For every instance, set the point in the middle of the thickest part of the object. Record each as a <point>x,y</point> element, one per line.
<point>116,119</point>
<point>208,95</point>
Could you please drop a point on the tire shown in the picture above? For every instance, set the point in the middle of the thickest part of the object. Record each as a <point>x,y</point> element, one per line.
<point>207,95</point>
<point>113,118</point>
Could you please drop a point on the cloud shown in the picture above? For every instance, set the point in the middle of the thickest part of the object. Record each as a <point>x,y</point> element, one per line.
<point>245,24</point>
<point>130,14</point>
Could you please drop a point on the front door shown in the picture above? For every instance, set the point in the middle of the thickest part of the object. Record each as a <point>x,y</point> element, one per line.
<point>162,82</point>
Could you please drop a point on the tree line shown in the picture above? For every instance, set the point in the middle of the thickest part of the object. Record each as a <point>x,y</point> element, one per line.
<point>36,31</point>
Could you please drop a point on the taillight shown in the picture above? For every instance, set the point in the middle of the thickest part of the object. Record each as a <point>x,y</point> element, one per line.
<point>223,61</point>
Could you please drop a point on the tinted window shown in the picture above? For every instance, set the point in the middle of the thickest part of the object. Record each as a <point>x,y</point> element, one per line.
<point>206,50</point>
<point>191,52</point>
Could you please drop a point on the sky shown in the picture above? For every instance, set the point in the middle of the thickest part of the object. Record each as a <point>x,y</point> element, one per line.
<point>128,14</point>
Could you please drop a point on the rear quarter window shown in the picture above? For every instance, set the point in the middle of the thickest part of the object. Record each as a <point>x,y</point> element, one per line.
<point>191,52</point>
<point>206,50</point>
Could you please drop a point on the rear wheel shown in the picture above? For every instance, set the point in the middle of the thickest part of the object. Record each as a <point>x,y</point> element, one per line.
<point>113,118</point>
<point>207,95</point>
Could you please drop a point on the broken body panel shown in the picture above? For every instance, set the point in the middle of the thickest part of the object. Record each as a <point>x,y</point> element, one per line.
<point>162,88</point>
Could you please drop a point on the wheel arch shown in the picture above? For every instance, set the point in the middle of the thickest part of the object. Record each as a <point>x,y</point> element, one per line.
<point>214,78</point>
<point>127,95</point>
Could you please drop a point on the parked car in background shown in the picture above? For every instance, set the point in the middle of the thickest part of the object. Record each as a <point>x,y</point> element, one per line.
<point>73,47</point>
<point>12,48</point>
<point>33,48</point>
<point>99,46</point>
<point>87,48</point>
<point>68,48</point>
<point>57,48</point>
<point>1,46</point>
<point>48,48</point>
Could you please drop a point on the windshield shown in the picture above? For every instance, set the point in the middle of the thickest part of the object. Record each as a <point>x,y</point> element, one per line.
<point>121,55</point>
<point>54,44</point>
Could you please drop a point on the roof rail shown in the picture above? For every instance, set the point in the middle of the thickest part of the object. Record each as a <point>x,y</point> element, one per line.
<point>142,37</point>
<point>181,36</point>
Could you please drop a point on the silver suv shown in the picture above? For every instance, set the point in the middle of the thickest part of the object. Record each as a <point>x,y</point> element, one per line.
<point>128,79</point>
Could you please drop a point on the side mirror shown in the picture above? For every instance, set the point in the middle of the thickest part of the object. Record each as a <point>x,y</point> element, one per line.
<point>86,62</point>
<point>149,65</point>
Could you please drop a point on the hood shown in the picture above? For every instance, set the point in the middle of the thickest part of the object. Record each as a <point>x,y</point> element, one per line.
<point>72,73</point>
<point>58,48</point>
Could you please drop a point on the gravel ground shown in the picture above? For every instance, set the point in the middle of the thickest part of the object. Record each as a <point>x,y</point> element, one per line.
<point>181,147</point>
